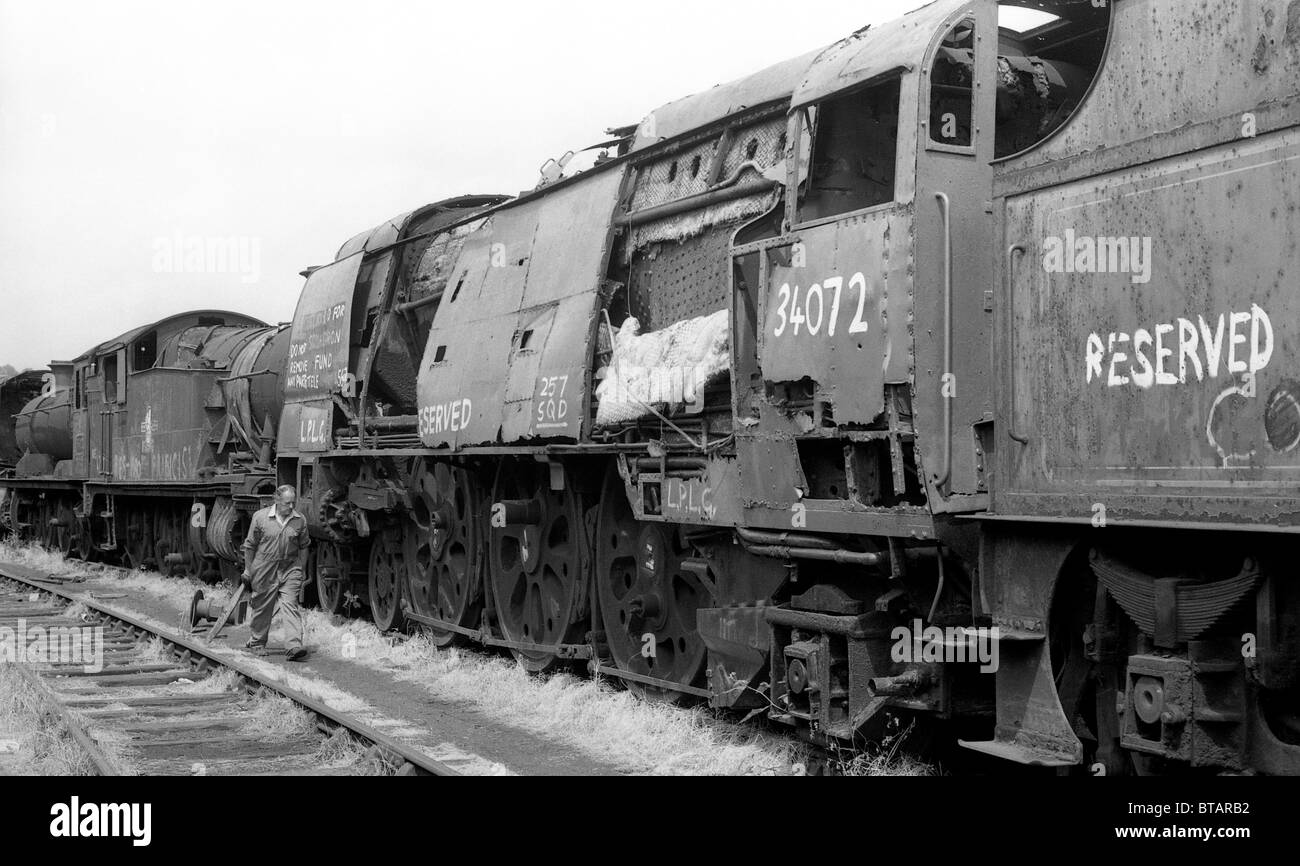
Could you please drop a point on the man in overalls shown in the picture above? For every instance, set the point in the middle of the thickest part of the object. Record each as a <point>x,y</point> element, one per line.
<point>275,554</point>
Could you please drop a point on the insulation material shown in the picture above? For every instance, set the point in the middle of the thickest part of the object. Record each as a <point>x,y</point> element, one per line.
<point>696,222</point>
<point>665,368</point>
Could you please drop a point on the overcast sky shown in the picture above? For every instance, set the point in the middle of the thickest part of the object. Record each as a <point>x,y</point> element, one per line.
<point>130,129</point>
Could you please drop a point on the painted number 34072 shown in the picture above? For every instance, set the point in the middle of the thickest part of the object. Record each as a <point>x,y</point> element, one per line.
<point>821,307</point>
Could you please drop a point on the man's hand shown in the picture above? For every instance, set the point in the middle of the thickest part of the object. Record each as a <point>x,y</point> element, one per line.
<point>247,580</point>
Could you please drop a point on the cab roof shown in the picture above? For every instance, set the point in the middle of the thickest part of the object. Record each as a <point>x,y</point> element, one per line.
<point>865,55</point>
<point>227,318</point>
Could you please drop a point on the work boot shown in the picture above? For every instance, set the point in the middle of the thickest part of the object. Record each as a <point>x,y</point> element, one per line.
<point>296,655</point>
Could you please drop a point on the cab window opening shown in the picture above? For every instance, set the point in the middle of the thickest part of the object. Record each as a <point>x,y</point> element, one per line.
<point>114,381</point>
<point>1049,54</point>
<point>952,88</point>
<point>145,353</point>
<point>854,152</point>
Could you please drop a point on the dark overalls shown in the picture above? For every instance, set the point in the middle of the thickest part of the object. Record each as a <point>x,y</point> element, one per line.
<point>274,556</point>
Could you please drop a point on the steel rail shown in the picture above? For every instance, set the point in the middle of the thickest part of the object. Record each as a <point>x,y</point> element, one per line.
<point>400,754</point>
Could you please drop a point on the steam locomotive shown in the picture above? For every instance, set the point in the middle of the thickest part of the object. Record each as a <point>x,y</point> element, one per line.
<point>940,373</point>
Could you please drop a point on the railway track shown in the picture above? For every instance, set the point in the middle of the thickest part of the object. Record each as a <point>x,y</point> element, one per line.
<point>156,703</point>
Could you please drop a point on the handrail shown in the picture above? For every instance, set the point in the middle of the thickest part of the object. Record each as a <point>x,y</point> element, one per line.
<point>945,205</point>
<point>1010,344</point>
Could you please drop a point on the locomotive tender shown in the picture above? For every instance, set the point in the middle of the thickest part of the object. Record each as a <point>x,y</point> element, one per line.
<point>947,326</point>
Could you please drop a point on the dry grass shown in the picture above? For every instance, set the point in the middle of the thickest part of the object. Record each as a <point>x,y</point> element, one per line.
<point>605,722</point>
<point>155,653</point>
<point>888,758</point>
<point>867,764</point>
<point>31,555</point>
<point>342,750</point>
<point>45,747</point>
<point>176,591</point>
<point>77,611</point>
<point>220,682</point>
<point>273,717</point>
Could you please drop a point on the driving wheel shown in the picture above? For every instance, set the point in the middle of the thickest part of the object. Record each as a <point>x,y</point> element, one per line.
<point>649,586</point>
<point>444,554</point>
<point>535,547</point>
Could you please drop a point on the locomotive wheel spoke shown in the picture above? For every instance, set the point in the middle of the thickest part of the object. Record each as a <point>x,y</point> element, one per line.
<point>536,563</point>
<point>332,572</point>
<point>66,533</point>
<point>387,571</point>
<point>83,543</point>
<point>444,550</point>
<point>647,599</point>
<point>137,544</point>
<point>47,533</point>
<point>13,514</point>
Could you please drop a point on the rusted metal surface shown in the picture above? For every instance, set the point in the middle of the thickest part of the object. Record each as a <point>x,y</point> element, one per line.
<point>253,391</point>
<point>1246,57</point>
<point>128,421</point>
<point>378,238</point>
<point>319,353</point>
<point>428,218</point>
<point>15,393</point>
<point>690,491</point>
<point>850,284</point>
<point>691,113</point>
<point>45,426</point>
<point>1019,577</point>
<point>171,325</point>
<point>510,350</point>
<point>1153,315</point>
<point>953,319</point>
<point>896,45</point>
<point>890,296</point>
<point>362,323</point>
<point>164,431</point>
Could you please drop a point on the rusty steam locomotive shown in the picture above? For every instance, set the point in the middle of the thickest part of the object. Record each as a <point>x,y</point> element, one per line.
<point>945,371</point>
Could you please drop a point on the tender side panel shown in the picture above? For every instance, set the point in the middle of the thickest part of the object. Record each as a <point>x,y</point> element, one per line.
<point>162,435</point>
<point>1155,319</point>
<point>1169,67</point>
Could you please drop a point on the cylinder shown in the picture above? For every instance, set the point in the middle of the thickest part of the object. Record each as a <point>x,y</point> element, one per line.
<point>45,426</point>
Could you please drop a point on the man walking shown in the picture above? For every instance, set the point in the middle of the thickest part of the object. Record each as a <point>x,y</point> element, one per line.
<point>275,554</point>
